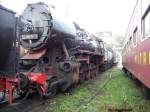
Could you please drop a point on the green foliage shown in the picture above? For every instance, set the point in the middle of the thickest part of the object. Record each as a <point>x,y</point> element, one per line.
<point>118,41</point>
<point>110,90</point>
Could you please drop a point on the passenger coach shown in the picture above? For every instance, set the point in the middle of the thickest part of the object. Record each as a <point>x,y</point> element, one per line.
<point>136,51</point>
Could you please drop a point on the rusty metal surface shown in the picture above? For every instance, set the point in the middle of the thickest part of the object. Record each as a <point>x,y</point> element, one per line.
<point>34,55</point>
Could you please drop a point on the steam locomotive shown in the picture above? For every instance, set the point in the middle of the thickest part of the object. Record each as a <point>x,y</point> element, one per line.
<point>8,57</point>
<point>51,53</point>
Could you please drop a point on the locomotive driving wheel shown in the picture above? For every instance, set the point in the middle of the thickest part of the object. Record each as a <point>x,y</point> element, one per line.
<point>51,88</point>
<point>82,78</point>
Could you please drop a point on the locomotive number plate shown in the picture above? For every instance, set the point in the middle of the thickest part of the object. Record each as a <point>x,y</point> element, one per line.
<point>29,37</point>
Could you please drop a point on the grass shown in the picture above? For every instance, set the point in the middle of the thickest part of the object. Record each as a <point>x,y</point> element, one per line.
<point>109,90</point>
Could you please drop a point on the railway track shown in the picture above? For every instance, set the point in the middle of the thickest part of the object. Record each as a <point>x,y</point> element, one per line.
<point>87,101</point>
<point>31,104</point>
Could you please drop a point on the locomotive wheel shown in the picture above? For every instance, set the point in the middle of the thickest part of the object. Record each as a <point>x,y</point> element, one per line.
<point>96,72</point>
<point>125,71</point>
<point>133,77</point>
<point>137,82</point>
<point>64,86</point>
<point>129,74</point>
<point>23,95</point>
<point>146,92</point>
<point>92,75</point>
<point>51,90</point>
<point>81,78</point>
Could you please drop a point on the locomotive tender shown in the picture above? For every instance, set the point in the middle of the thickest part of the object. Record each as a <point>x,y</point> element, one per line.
<point>136,52</point>
<point>58,53</point>
<point>8,56</point>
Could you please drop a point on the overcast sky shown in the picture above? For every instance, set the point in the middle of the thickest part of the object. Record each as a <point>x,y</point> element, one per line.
<point>93,15</point>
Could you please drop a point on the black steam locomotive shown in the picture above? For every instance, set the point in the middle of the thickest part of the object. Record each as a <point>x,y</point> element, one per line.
<point>8,56</point>
<point>55,53</point>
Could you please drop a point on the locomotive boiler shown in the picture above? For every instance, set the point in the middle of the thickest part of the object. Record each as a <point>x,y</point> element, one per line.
<point>41,24</point>
<point>57,55</point>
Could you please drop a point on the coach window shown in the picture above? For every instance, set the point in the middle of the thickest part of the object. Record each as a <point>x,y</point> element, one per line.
<point>124,48</point>
<point>135,36</point>
<point>127,46</point>
<point>130,42</point>
<point>146,24</point>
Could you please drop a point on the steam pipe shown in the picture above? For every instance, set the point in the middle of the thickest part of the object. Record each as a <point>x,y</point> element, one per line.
<point>65,50</point>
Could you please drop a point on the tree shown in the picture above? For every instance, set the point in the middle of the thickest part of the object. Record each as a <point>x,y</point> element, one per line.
<point>118,42</point>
